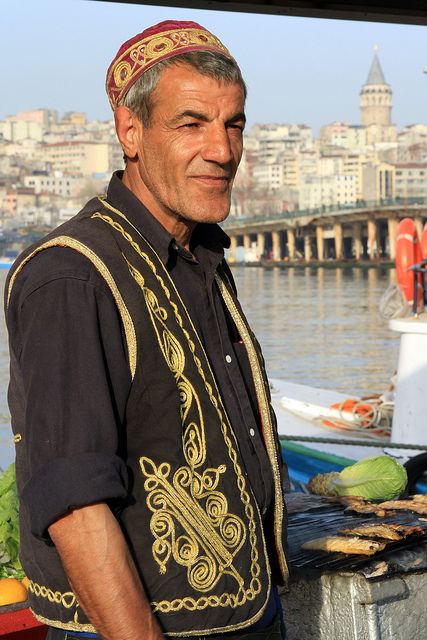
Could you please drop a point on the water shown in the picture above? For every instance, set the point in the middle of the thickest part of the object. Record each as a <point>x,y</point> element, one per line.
<point>321,327</point>
<point>316,326</point>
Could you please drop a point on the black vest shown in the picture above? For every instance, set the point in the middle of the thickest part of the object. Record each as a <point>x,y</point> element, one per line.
<point>193,526</point>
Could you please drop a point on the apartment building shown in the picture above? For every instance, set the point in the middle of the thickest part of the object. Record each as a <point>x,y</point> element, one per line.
<point>318,192</point>
<point>64,185</point>
<point>411,180</point>
<point>379,181</point>
<point>76,157</point>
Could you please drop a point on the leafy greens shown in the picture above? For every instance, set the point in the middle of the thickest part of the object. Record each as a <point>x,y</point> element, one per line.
<point>374,478</point>
<point>10,567</point>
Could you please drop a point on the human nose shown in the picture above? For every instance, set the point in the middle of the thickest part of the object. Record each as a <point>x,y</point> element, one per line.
<point>217,145</point>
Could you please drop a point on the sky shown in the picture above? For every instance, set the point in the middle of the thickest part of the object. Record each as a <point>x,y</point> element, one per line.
<point>55,54</point>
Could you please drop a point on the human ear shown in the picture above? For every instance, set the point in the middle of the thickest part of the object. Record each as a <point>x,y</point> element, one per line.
<point>127,126</point>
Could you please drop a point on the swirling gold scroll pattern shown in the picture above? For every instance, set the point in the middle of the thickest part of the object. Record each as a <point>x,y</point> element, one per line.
<point>190,499</point>
<point>224,600</point>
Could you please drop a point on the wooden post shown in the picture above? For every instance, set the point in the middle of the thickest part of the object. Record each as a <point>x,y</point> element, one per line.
<point>372,239</point>
<point>320,244</point>
<point>338,241</point>
<point>392,237</point>
<point>357,239</point>
<point>275,238</point>
<point>307,247</point>
<point>261,244</point>
<point>233,247</point>
<point>291,244</point>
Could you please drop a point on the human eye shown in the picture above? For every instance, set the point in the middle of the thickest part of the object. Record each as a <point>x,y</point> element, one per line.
<point>190,125</point>
<point>236,128</point>
<point>237,125</point>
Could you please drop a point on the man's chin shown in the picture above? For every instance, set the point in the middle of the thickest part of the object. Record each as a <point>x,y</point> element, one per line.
<point>215,218</point>
<point>209,213</point>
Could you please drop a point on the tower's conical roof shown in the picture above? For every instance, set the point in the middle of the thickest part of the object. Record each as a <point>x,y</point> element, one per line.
<point>376,75</point>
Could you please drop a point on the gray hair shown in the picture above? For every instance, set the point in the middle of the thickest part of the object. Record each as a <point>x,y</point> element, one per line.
<point>208,63</point>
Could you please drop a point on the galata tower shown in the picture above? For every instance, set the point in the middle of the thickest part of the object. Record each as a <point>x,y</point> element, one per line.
<point>376,97</point>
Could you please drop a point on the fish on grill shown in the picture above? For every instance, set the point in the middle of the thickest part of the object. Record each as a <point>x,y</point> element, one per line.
<point>344,544</point>
<point>384,531</point>
<point>417,506</point>
<point>370,507</point>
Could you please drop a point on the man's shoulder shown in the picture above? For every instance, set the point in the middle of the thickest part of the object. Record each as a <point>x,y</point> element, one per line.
<point>51,266</point>
<point>50,259</point>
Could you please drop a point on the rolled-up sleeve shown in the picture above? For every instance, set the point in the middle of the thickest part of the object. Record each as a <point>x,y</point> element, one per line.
<point>72,357</point>
<point>78,481</point>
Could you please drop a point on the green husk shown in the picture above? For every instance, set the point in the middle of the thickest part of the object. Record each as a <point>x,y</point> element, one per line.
<point>373,478</point>
<point>10,567</point>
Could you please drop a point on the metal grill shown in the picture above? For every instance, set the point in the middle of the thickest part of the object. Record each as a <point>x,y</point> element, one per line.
<point>321,518</point>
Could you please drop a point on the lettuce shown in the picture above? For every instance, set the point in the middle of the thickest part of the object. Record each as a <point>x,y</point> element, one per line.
<point>10,567</point>
<point>374,478</point>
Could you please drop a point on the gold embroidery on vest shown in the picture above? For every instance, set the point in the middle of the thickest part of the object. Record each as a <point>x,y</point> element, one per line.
<point>189,501</point>
<point>67,599</point>
<point>243,594</point>
<point>66,241</point>
<point>17,438</point>
<point>263,404</point>
<point>67,626</point>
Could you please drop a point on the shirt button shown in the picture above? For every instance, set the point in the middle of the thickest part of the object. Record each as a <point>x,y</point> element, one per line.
<point>228,358</point>
<point>252,432</point>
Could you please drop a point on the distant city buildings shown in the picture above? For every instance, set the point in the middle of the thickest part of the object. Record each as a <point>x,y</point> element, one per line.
<point>346,165</point>
<point>49,165</point>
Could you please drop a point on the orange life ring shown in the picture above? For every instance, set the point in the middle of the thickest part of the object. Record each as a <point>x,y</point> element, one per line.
<point>424,242</point>
<point>408,253</point>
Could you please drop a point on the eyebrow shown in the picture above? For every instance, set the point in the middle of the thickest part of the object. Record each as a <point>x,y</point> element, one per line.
<point>204,118</point>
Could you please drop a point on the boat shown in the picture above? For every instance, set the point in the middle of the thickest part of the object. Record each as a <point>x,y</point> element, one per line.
<point>6,262</point>
<point>18,623</point>
<point>312,443</point>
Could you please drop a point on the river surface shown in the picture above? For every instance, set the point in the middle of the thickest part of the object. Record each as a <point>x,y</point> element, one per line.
<point>319,327</point>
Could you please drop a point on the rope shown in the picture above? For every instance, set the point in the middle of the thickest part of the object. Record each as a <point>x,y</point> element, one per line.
<point>365,443</point>
<point>370,418</point>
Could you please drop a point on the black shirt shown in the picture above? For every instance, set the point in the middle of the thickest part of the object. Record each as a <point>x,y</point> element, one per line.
<point>72,351</point>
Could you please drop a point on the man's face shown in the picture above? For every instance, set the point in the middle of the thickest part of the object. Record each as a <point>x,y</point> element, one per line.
<point>188,155</point>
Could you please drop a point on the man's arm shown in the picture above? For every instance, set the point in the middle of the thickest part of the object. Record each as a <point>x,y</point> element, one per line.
<point>67,341</point>
<point>102,574</point>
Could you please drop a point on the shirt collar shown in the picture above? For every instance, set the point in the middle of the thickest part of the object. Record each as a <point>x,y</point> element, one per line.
<point>122,198</point>
<point>205,236</point>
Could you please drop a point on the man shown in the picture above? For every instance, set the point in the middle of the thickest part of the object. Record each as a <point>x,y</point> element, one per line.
<point>148,462</point>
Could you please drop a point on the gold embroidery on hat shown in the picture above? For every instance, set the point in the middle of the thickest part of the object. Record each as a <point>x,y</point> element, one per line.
<point>122,73</point>
<point>158,46</point>
<point>149,50</point>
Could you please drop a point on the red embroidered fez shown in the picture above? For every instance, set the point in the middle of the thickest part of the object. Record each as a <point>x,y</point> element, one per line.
<point>159,42</point>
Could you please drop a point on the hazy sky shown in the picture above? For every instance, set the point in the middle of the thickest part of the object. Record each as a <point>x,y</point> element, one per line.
<point>55,54</point>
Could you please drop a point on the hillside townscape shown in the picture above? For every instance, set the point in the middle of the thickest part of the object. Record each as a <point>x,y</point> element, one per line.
<point>50,165</point>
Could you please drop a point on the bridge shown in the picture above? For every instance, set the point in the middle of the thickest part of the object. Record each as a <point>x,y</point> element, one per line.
<point>363,232</point>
